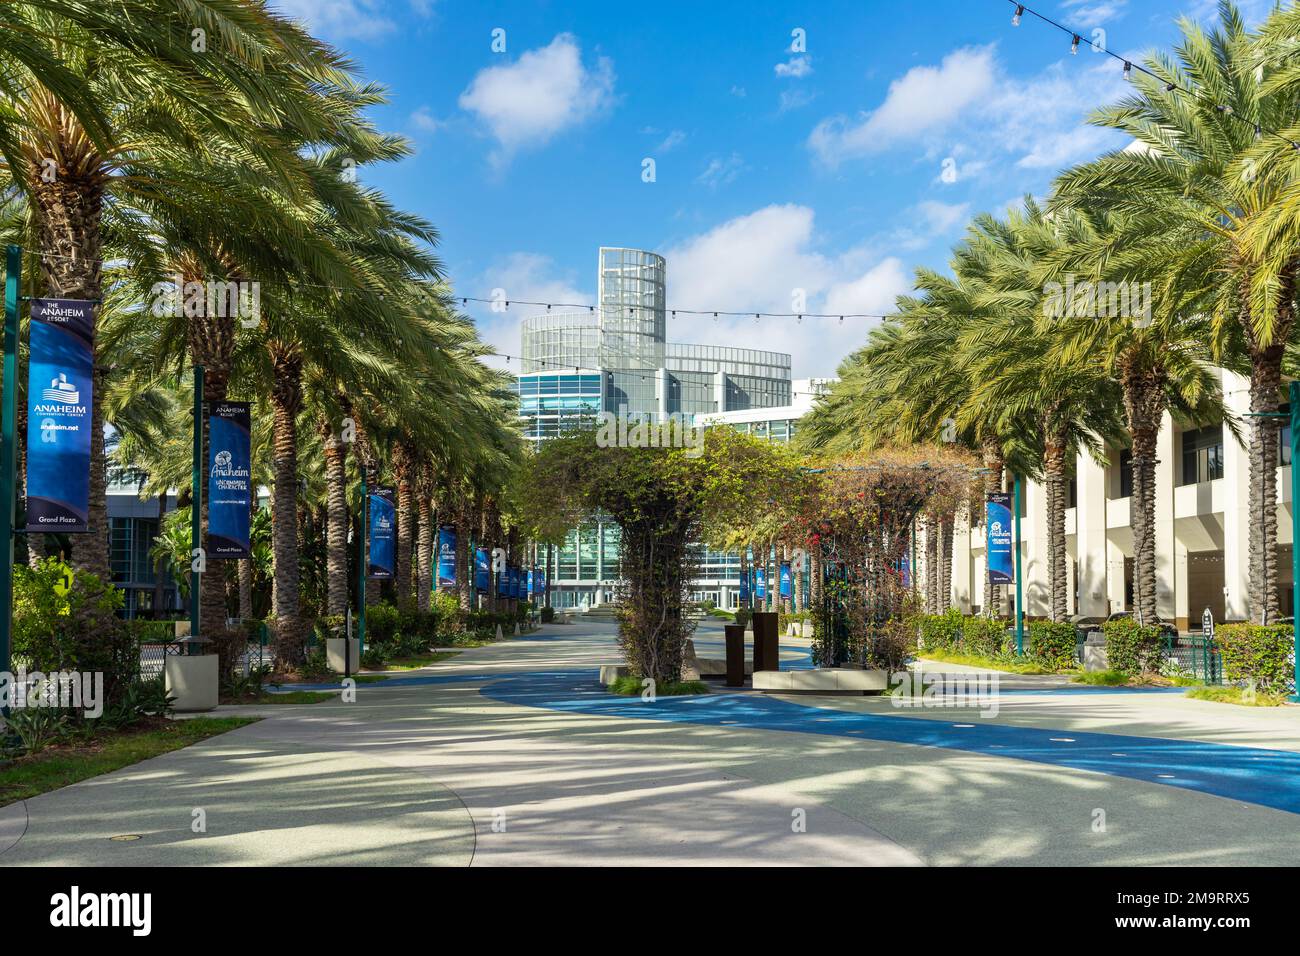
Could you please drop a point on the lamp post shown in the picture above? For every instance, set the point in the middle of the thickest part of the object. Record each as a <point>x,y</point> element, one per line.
<point>1294,393</point>
<point>9,449</point>
<point>361,567</point>
<point>196,504</point>
<point>1020,587</point>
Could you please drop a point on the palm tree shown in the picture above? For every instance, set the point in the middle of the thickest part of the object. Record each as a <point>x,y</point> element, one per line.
<point>1192,168</point>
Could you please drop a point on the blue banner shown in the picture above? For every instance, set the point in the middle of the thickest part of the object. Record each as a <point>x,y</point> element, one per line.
<point>760,582</point>
<point>514,582</point>
<point>531,574</point>
<point>383,536</point>
<point>539,582</point>
<point>744,585</point>
<point>60,396</point>
<point>785,579</point>
<point>446,559</point>
<point>503,582</point>
<point>230,481</point>
<point>481,570</point>
<point>997,520</point>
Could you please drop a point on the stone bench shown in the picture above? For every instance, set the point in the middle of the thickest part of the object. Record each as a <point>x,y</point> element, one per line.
<point>837,680</point>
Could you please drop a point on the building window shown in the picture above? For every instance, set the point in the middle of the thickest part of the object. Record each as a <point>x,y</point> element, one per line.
<point>1202,455</point>
<point>1126,474</point>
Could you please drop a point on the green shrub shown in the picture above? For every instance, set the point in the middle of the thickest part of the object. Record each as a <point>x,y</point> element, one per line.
<point>1258,652</point>
<point>983,636</point>
<point>140,698</point>
<point>37,727</point>
<point>1132,648</point>
<point>941,631</point>
<point>315,667</point>
<point>1052,644</point>
<point>373,657</point>
<point>742,616</point>
<point>548,615</point>
<point>381,622</point>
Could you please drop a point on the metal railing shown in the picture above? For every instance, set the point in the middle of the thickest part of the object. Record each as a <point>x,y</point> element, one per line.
<point>1192,655</point>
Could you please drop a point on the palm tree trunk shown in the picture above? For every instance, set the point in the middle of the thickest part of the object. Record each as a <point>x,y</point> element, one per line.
<point>1144,406</point>
<point>1054,470</point>
<point>424,552</point>
<point>336,522</point>
<point>931,565</point>
<point>945,560</point>
<point>69,210</point>
<point>1265,391</point>
<point>464,560</point>
<point>405,527</point>
<point>286,399</point>
<point>994,466</point>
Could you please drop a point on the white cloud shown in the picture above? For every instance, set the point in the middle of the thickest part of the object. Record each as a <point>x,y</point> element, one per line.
<point>522,276</point>
<point>796,66</point>
<point>1089,13</point>
<point>927,220</point>
<point>340,19</point>
<point>924,98</point>
<point>547,90</point>
<point>794,99</point>
<point>758,261</point>
<point>425,121</point>
<point>720,172</point>
<point>969,107</point>
<point>671,141</point>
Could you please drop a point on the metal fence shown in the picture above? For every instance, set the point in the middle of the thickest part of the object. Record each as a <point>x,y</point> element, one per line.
<point>1192,655</point>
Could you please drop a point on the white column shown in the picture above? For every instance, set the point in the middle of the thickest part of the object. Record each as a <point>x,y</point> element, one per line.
<point>961,570</point>
<point>1236,510</point>
<point>1033,530</point>
<point>1090,536</point>
<point>1166,469</point>
<point>1182,599</point>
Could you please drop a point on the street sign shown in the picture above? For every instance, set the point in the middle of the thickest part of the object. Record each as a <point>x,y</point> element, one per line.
<point>1207,623</point>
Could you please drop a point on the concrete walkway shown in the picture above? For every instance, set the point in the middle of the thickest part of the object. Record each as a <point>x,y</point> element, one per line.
<point>479,759</point>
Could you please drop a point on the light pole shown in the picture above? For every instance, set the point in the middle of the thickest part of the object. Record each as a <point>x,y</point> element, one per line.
<point>1294,393</point>
<point>9,449</point>
<point>1020,587</point>
<point>196,505</point>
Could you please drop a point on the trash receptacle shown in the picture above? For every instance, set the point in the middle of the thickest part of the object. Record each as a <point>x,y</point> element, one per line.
<point>766,649</point>
<point>735,654</point>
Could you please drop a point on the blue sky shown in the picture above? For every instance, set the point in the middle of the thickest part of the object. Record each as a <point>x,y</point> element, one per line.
<point>835,169</point>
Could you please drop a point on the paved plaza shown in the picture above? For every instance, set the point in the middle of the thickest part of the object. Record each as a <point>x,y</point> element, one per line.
<point>513,754</point>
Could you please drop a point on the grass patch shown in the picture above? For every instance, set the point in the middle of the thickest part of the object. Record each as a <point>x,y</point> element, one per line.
<point>1102,678</point>
<point>630,686</point>
<point>991,663</point>
<point>62,764</point>
<point>725,615</point>
<point>1236,695</point>
<point>417,661</point>
<point>368,678</point>
<point>1113,678</point>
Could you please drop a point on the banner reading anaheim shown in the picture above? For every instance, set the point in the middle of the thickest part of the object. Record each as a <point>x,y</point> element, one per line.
<point>230,483</point>
<point>383,521</point>
<point>60,396</point>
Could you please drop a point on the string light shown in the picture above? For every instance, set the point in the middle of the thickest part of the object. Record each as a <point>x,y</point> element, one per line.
<point>1170,86</point>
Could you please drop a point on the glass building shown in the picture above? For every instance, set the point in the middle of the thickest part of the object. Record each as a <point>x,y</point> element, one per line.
<point>615,358</point>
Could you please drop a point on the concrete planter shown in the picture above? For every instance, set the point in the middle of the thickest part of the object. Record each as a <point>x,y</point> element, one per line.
<point>822,680</point>
<point>193,680</point>
<point>334,654</point>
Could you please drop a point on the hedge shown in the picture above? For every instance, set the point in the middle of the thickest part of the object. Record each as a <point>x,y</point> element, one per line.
<point>1262,653</point>
<point>1132,648</point>
<point>941,631</point>
<point>1052,643</point>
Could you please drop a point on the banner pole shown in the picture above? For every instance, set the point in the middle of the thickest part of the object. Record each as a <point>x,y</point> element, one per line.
<point>361,566</point>
<point>9,449</point>
<point>1294,390</point>
<point>196,504</point>
<point>1020,589</point>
